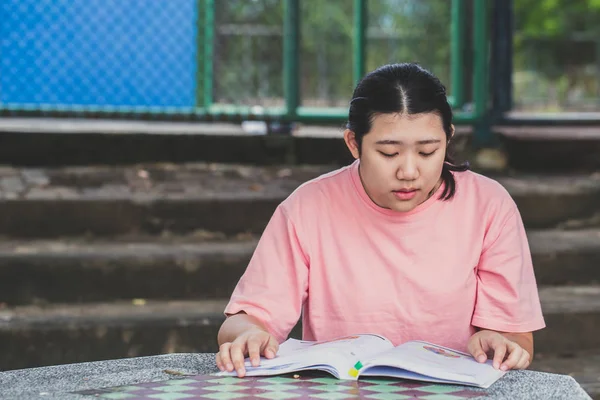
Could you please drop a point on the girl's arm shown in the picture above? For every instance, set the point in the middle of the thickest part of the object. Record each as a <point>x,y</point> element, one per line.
<point>236,325</point>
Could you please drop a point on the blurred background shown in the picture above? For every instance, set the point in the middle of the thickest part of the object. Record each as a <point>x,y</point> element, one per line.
<point>144,144</point>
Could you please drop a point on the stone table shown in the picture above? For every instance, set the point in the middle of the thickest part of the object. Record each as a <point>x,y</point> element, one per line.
<point>56,382</point>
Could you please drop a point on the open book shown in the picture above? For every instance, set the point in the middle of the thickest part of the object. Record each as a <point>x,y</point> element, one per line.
<point>358,356</point>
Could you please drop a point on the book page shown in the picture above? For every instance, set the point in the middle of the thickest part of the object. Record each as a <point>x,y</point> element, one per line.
<point>435,361</point>
<point>337,356</point>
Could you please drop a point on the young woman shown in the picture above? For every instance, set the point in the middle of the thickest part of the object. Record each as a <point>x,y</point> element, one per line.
<point>401,243</point>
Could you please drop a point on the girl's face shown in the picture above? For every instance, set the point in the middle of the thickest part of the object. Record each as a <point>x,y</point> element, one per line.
<point>401,159</point>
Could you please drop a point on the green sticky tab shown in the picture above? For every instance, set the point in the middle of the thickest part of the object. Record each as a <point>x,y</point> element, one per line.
<point>358,365</point>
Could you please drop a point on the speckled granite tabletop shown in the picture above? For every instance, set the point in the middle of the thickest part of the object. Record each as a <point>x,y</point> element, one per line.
<point>58,382</point>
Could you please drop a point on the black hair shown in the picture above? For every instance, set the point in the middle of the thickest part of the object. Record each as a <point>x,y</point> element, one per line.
<point>403,88</point>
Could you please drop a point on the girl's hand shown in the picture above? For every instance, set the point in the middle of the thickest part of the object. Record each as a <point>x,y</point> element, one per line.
<point>506,353</point>
<point>253,343</point>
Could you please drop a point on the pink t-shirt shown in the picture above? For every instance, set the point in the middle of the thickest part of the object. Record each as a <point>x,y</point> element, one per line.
<point>347,266</point>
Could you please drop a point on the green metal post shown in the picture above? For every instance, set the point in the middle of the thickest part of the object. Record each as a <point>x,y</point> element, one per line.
<point>200,53</point>
<point>359,39</point>
<point>483,135</point>
<point>480,31</point>
<point>291,57</point>
<point>457,43</point>
<point>209,31</point>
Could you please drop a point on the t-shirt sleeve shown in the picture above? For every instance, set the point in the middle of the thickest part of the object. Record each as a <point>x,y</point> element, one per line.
<point>507,293</point>
<point>274,286</point>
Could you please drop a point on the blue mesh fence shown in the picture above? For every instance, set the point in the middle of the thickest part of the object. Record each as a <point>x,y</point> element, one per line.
<point>97,53</point>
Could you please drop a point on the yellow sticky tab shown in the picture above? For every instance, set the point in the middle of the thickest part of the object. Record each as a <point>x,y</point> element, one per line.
<point>353,372</point>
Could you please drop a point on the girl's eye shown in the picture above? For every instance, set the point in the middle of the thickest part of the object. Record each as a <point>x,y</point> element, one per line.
<point>427,154</point>
<point>388,155</point>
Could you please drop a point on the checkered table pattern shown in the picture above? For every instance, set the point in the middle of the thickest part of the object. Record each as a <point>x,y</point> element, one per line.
<point>283,387</point>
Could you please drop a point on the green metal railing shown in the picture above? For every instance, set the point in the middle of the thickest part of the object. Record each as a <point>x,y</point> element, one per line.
<point>293,111</point>
<point>480,59</point>
<point>204,55</point>
<point>359,39</point>
<point>291,58</point>
<point>474,48</point>
<point>457,45</point>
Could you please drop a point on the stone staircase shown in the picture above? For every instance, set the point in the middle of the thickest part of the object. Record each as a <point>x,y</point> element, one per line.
<point>102,262</point>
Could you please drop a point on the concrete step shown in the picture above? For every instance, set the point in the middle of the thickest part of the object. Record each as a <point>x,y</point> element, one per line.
<point>154,198</point>
<point>65,272</point>
<point>572,315</point>
<point>592,221</point>
<point>536,143</point>
<point>60,334</point>
<point>546,201</point>
<point>583,366</point>
<point>108,201</point>
<point>550,147</point>
<point>46,142</point>
<point>35,336</point>
<point>202,267</point>
<point>56,142</point>
<point>565,256</point>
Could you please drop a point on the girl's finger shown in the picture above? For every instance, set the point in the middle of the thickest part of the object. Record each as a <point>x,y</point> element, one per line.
<point>271,348</point>
<point>499,347</point>
<point>525,361</point>
<point>476,350</point>
<point>513,359</point>
<point>219,363</point>
<point>237,357</point>
<point>254,352</point>
<point>224,352</point>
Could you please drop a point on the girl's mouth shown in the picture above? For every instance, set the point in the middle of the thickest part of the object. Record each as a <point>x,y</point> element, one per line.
<point>405,194</point>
